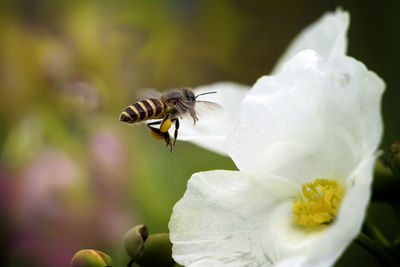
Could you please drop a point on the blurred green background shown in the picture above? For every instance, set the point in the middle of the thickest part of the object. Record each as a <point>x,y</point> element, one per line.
<point>71,175</point>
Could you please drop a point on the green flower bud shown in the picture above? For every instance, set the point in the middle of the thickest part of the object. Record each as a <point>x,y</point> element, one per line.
<point>91,258</point>
<point>134,240</point>
<point>157,251</point>
<point>395,159</point>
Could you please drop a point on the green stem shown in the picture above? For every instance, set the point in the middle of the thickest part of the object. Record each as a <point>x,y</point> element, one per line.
<point>377,249</point>
<point>395,204</point>
<point>385,186</point>
<point>375,233</point>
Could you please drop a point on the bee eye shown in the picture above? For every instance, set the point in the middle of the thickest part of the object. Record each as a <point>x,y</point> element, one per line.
<point>189,94</point>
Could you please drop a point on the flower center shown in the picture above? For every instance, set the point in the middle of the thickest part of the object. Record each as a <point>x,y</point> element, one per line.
<point>319,202</point>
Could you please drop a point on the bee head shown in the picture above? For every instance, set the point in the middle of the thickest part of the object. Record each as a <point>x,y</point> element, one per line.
<point>189,95</point>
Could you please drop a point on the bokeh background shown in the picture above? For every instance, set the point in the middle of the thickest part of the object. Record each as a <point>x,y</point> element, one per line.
<point>72,176</point>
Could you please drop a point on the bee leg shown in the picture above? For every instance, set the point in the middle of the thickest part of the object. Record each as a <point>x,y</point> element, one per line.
<point>154,123</point>
<point>168,140</point>
<point>158,134</point>
<point>176,121</point>
<point>165,124</point>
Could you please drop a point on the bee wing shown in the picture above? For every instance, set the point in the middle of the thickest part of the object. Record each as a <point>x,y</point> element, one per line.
<point>207,108</point>
<point>202,109</point>
<point>148,93</point>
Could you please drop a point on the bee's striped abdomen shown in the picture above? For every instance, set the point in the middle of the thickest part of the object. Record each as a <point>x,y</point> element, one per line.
<point>146,109</point>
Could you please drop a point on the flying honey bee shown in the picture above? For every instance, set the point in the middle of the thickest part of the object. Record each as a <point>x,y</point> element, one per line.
<point>167,109</point>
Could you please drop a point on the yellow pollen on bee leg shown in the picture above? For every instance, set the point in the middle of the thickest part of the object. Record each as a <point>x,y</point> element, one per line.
<point>156,136</point>
<point>165,126</point>
<point>318,202</point>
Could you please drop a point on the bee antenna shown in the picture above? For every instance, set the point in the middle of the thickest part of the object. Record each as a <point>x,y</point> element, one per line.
<point>206,93</point>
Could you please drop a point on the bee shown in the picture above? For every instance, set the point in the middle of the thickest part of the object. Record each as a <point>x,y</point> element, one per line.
<point>166,110</point>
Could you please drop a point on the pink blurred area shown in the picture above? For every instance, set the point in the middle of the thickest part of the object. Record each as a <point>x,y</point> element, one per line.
<point>54,208</point>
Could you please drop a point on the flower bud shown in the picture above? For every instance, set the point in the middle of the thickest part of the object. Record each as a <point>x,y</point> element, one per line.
<point>134,240</point>
<point>91,258</point>
<point>157,251</point>
<point>395,159</point>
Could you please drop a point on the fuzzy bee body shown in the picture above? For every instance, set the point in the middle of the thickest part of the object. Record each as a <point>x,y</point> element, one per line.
<point>166,109</point>
<point>147,109</point>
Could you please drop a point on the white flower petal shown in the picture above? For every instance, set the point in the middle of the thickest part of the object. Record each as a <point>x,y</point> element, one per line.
<point>212,127</point>
<point>327,36</point>
<point>218,218</point>
<point>329,107</point>
<point>228,218</point>
<point>284,240</point>
<point>319,117</point>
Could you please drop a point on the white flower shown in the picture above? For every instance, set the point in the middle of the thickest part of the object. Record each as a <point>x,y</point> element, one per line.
<point>315,125</point>
<point>327,37</point>
<point>212,128</point>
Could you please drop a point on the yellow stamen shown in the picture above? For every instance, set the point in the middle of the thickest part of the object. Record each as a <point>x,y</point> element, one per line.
<point>320,203</point>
